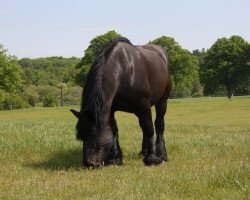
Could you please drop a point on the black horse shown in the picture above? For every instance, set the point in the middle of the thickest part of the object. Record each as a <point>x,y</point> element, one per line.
<point>126,78</point>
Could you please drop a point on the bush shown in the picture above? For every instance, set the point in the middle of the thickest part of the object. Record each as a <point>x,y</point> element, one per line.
<point>49,96</point>
<point>31,95</point>
<point>72,96</point>
<point>12,101</point>
<point>197,90</point>
<point>43,95</point>
<point>50,101</point>
<point>44,90</point>
<point>2,97</point>
<point>180,91</point>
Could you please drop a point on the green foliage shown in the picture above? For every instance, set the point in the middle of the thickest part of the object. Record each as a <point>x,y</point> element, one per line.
<point>44,63</point>
<point>200,55</point>
<point>41,95</point>
<point>49,70</point>
<point>183,67</point>
<point>10,72</point>
<point>11,101</point>
<point>225,67</point>
<point>35,82</point>
<point>2,98</point>
<point>44,90</point>
<point>72,96</point>
<point>31,95</point>
<point>91,53</point>
<point>50,101</point>
<point>197,90</point>
<point>38,95</point>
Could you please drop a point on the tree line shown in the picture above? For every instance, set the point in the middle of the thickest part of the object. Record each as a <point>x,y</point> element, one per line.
<point>221,70</point>
<point>42,82</point>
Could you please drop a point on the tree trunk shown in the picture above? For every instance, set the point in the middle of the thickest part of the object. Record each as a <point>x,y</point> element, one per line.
<point>229,90</point>
<point>61,96</point>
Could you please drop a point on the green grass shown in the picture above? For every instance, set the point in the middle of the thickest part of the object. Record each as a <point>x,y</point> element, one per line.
<point>208,143</point>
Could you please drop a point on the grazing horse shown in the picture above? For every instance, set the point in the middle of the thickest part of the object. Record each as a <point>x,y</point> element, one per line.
<point>126,78</point>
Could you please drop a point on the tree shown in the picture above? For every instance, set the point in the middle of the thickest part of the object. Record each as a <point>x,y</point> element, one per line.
<point>10,72</point>
<point>183,68</point>
<point>200,55</point>
<point>12,101</point>
<point>31,95</point>
<point>91,53</point>
<point>73,95</point>
<point>49,70</point>
<point>49,100</point>
<point>225,67</point>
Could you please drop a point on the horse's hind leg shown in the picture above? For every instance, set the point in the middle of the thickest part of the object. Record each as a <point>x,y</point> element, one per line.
<point>161,108</point>
<point>145,120</point>
<point>115,154</point>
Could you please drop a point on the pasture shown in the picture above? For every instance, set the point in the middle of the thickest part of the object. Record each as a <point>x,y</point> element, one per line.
<point>207,139</point>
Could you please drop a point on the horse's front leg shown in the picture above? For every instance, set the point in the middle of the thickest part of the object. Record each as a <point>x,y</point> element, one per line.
<point>115,154</point>
<point>144,146</point>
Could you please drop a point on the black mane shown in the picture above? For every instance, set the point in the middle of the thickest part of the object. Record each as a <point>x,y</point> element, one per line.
<point>93,98</point>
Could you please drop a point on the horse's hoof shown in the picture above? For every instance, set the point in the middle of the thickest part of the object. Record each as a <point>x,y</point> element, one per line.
<point>152,159</point>
<point>163,158</point>
<point>116,161</point>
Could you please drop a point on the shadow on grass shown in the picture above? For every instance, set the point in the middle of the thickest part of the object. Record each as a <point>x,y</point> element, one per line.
<point>66,160</point>
<point>71,160</point>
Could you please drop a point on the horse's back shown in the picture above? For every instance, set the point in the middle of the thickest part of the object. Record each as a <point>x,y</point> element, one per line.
<point>143,70</point>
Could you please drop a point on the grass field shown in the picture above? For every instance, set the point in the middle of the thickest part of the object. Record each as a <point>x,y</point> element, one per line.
<point>208,143</point>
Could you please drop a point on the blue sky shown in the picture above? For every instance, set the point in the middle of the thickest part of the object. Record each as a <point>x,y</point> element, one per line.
<point>38,28</point>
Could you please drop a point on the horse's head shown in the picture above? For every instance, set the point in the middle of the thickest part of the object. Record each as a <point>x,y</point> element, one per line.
<point>97,142</point>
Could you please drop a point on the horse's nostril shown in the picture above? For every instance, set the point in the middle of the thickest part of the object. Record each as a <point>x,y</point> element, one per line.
<point>91,164</point>
<point>94,165</point>
<point>97,164</point>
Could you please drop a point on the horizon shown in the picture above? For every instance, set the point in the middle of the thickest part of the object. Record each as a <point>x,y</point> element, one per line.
<point>55,28</point>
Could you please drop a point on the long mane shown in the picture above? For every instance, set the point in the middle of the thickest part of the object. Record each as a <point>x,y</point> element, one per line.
<point>93,97</point>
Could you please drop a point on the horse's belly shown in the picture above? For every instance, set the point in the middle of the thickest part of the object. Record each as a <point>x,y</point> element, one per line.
<point>124,104</point>
<point>131,99</point>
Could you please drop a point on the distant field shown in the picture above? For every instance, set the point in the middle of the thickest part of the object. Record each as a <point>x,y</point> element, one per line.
<point>208,143</point>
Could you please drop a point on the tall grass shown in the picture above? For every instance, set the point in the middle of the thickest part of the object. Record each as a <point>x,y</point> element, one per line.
<point>208,143</point>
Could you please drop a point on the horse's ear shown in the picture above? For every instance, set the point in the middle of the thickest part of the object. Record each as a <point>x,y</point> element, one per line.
<point>77,114</point>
